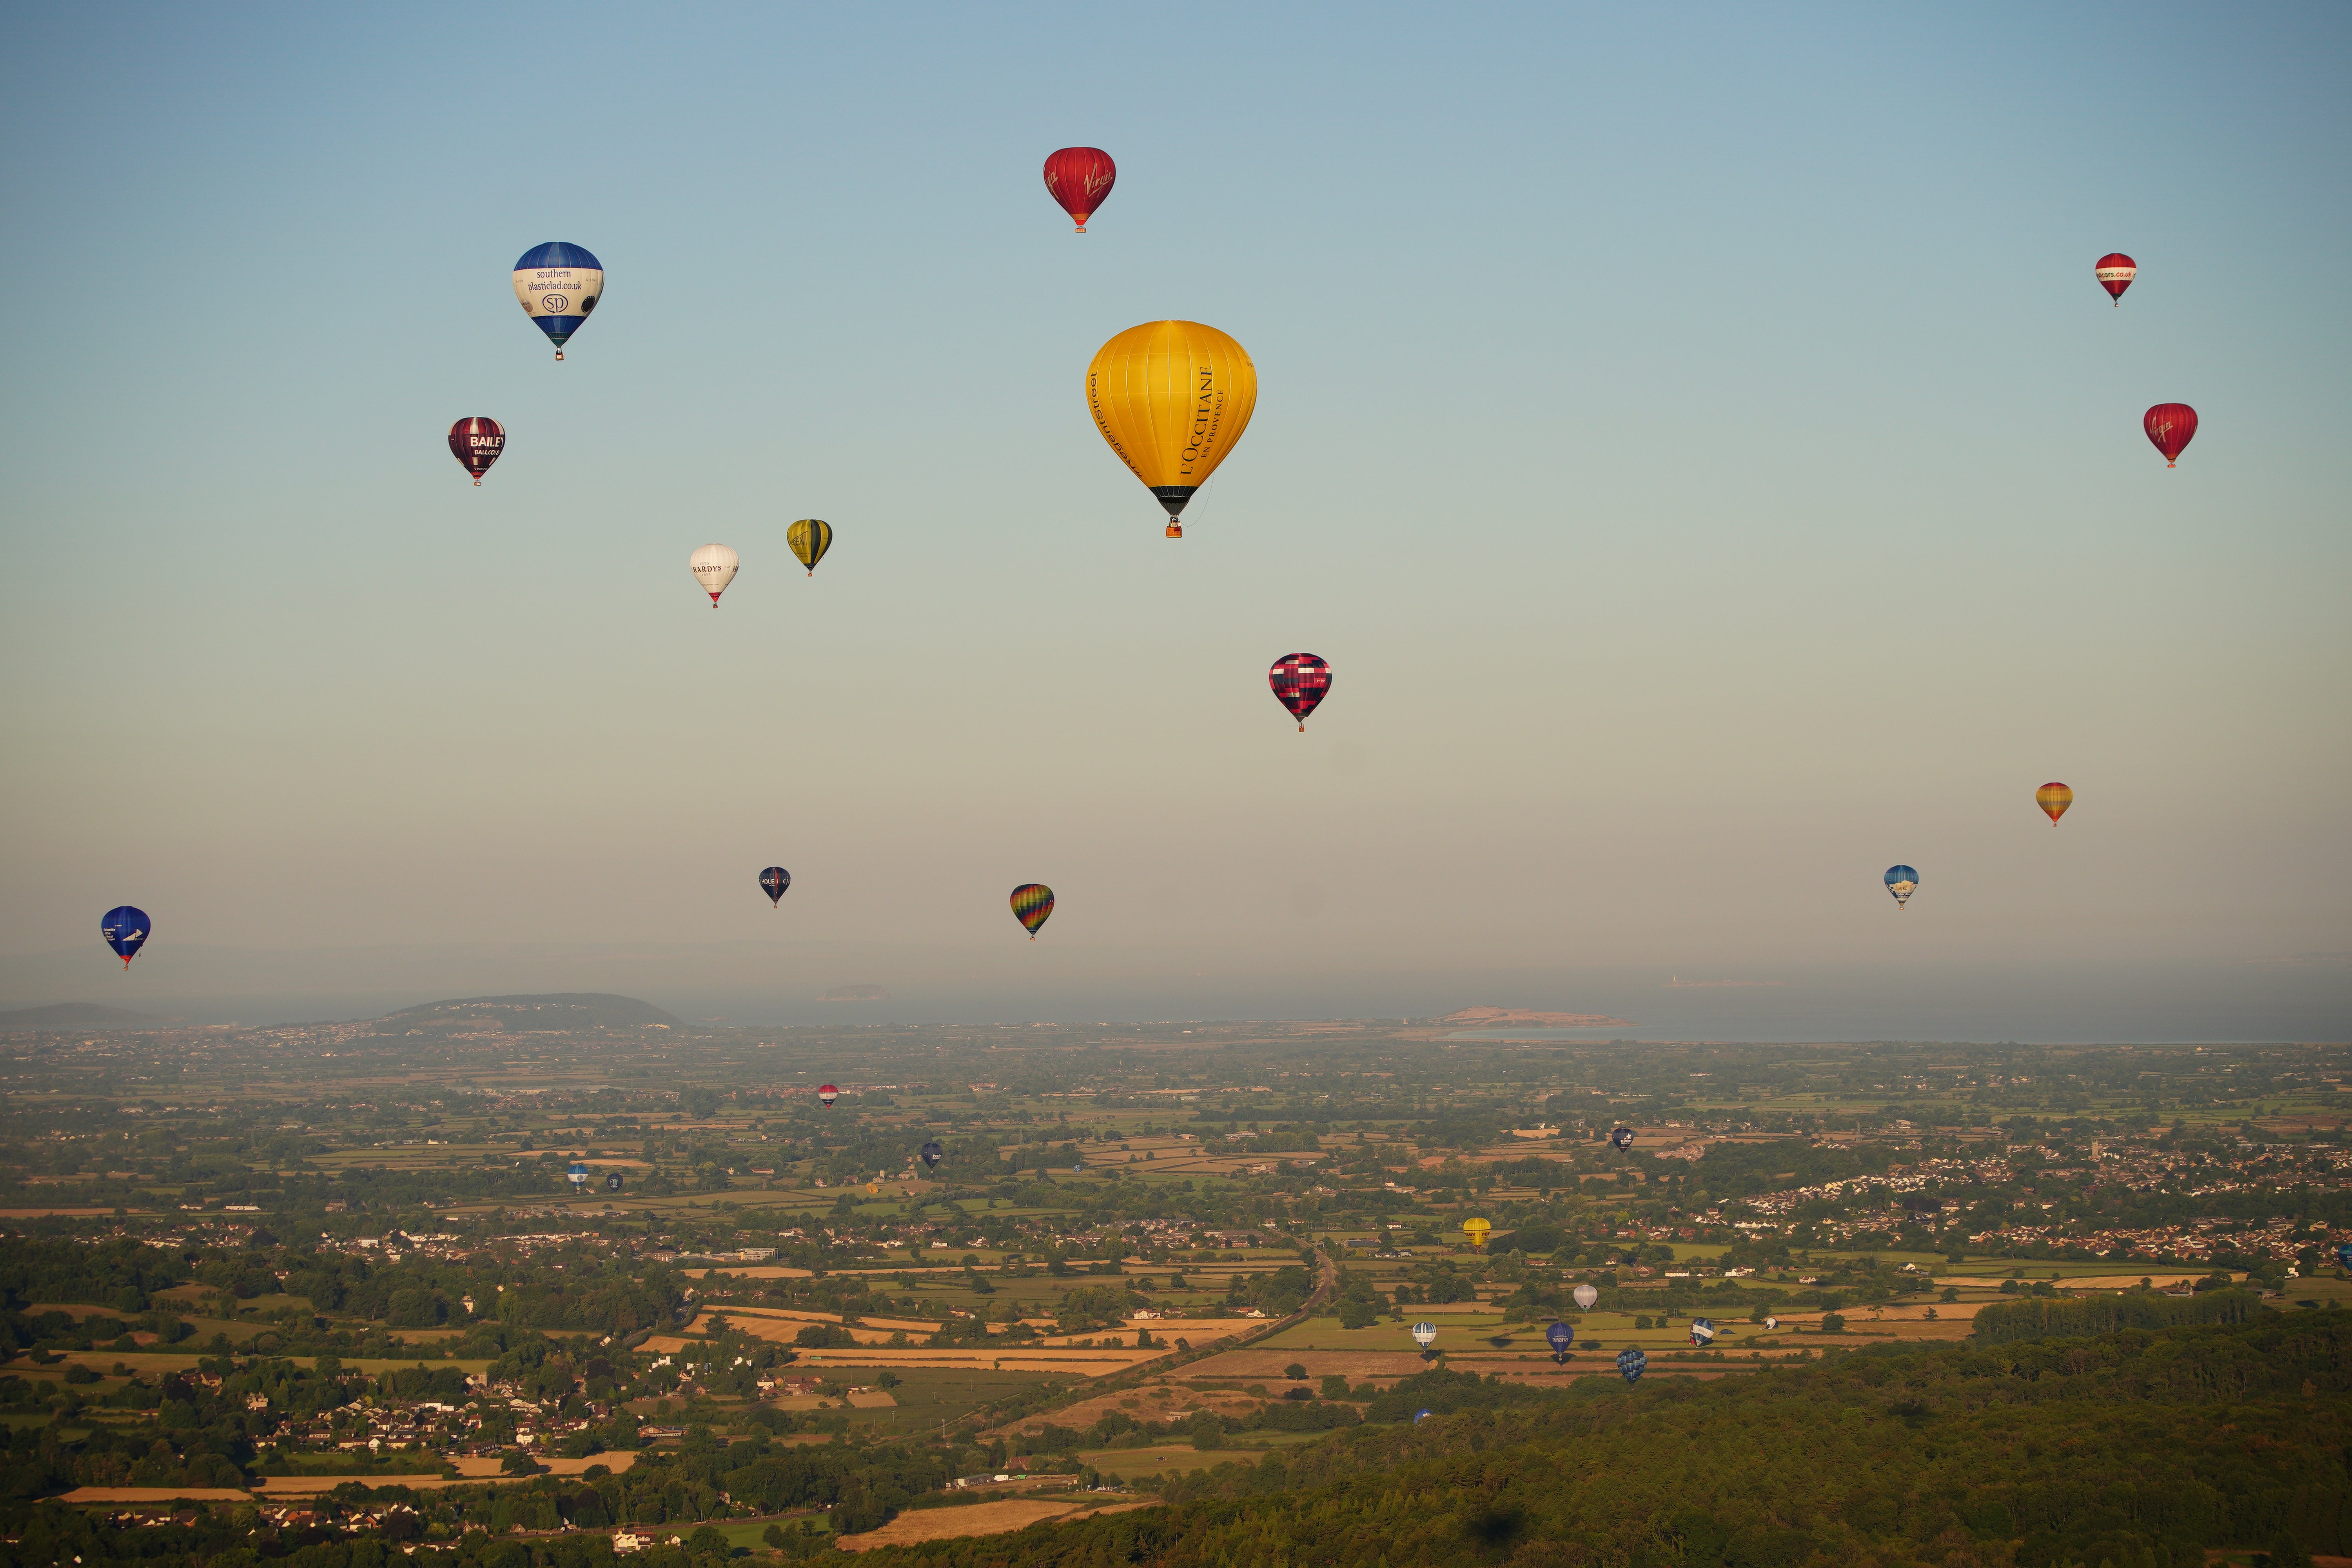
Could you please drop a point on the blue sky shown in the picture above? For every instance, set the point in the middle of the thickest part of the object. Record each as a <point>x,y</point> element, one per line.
<point>1698,443</point>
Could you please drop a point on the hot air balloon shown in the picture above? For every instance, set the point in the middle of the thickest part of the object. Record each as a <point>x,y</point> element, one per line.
<point>2053,798</point>
<point>1475,1229</point>
<point>1171,398</point>
<point>1585,1296</point>
<point>773,881</point>
<point>2171,425</point>
<point>1079,1169</point>
<point>1421,1415</point>
<point>1702,1332</point>
<point>1902,881</point>
<point>1771,1322</point>
<point>613,1182</point>
<point>1424,1334</point>
<point>1300,682</point>
<point>1623,1137</point>
<point>477,443</point>
<point>933,1152</point>
<point>1033,905</point>
<point>827,1095</point>
<point>2344,1254</point>
<point>1561,1336</point>
<point>1631,1364</point>
<point>1079,178</point>
<point>125,930</point>
<point>810,538</point>
<point>559,285</point>
<point>577,1175</point>
<point>714,566</point>
<point>2116,271</point>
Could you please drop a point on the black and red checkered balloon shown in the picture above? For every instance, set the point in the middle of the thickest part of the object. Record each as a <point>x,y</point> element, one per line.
<point>1300,680</point>
<point>477,443</point>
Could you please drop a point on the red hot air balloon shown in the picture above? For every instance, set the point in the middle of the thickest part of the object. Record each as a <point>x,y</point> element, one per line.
<point>827,1095</point>
<point>1079,178</point>
<point>1300,681</point>
<point>2170,425</point>
<point>477,443</point>
<point>2116,272</point>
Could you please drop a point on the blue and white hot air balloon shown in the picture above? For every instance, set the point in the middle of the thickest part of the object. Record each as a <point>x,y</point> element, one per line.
<point>559,285</point>
<point>1902,881</point>
<point>125,930</point>
<point>2343,1256</point>
<point>1421,1415</point>
<point>577,1175</point>
<point>1561,1336</point>
<point>1631,1364</point>
<point>1424,1334</point>
<point>1702,1332</point>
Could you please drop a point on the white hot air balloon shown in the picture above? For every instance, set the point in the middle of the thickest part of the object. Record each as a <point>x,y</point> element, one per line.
<point>1585,1296</point>
<point>1424,1334</point>
<point>714,567</point>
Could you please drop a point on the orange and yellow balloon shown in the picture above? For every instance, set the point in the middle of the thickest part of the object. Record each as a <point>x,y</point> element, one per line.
<point>1171,398</point>
<point>2053,798</point>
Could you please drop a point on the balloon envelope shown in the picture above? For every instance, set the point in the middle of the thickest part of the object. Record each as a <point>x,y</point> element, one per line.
<point>1585,1296</point>
<point>1033,905</point>
<point>1631,1364</point>
<point>1561,1335</point>
<point>1475,1229</point>
<point>810,538</point>
<point>773,881</point>
<point>1702,1332</point>
<point>125,928</point>
<point>1902,881</point>
<point>476,442</point>
<point>577,1175</point>
<point>559,285</point>
<point>1300,682</point>
<point>714,567</point>
<point>2170,425</point>
<point>614,1182</point>
<point>1421,1415</point>
<point>1079,178</point>
<point>1424,1334</point>
<point>2344,1254</point>
<point>1623,1137</point>
<point>2053,798</point>
<point>933,1153</point>
<point>2116,271</point>
<point>827,1095</point>
<point>1771,1322</point>
<point>1171,398</point>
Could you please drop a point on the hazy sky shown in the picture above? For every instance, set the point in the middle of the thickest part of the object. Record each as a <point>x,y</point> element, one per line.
<point>1697,441</point>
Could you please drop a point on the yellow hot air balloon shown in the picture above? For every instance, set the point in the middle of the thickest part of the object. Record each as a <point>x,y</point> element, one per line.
<point>2053,798</point>
<point>1171,398</point>
<point>810,539</point>
<point>1475,1229</point>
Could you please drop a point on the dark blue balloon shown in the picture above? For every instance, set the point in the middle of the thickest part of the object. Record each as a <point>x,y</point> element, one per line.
<point>1631,1364</point>
<point>933,1153</point>
<point>125,930</point>
<point>2344,1254</point>
<point>1623,1137</point>
<point>1561,1335</point>
<point>773,881</point>
<point>1421,1415</point>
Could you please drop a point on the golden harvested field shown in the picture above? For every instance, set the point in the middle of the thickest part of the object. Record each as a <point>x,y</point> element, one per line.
<point>752,1318</point>
<point>996,1518</point>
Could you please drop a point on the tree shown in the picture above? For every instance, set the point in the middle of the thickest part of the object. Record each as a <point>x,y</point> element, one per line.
<point>1294,1372</point>
<point>1832,1323</point>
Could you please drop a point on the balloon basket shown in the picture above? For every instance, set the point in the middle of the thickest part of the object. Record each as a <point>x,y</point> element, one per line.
<point>1175,530</point>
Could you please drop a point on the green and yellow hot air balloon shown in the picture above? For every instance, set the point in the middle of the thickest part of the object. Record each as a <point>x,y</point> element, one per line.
<point>810,539</point>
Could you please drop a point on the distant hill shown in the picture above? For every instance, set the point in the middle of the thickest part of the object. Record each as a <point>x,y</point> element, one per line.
<point>1491,1017</point>
<point>562,1010</point>
<point>855,994</point>
<point>80,1015</point>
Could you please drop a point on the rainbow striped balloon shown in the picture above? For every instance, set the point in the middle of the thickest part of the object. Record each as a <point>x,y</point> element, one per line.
<point>1032,902</point>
